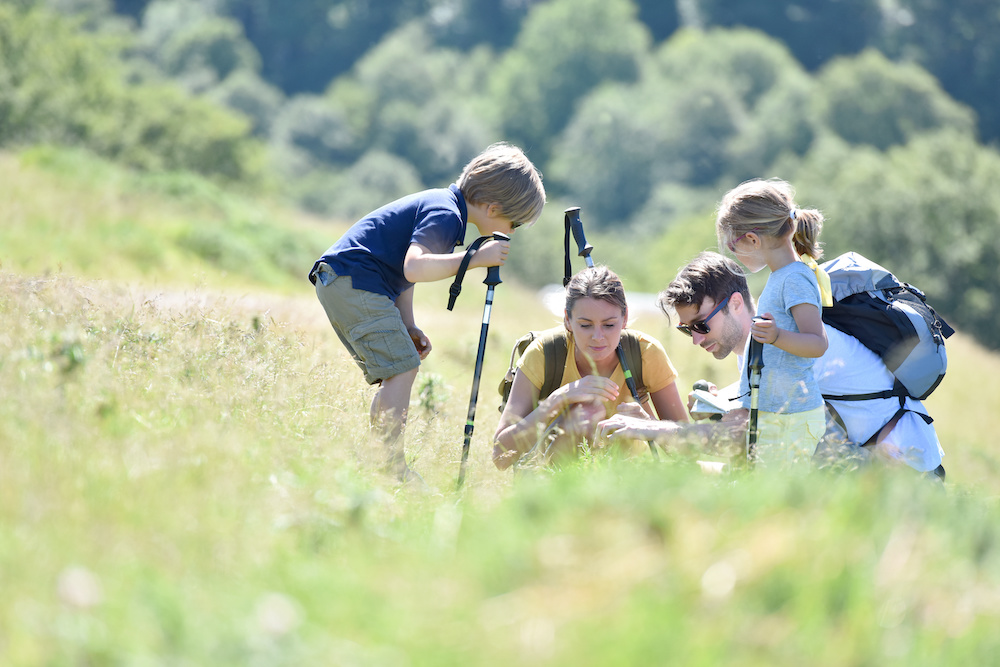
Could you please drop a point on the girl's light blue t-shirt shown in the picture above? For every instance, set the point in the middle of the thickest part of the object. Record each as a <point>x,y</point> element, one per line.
<point>787,381</point>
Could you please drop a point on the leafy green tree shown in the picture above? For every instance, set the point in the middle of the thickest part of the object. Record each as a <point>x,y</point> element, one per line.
<point>308,123</point>
<point>814,31</point>
<point>739,94</point>
<point>868,99</point>
<point>424,103</point>
<point>929,211</point>
<point>66,87</point>
<point>709,106</point>
<point>467,24</point>
<point>375,179</point>
<point>245,92</point>
<point>206,52</point>
<point>564,50</point>
<point>164,19</point>
<point>661,18</point>
<point>306,44</point>
<point>604,159</point>
<point>192,45</point>
<point>93,13</point>
<point>957,41</point>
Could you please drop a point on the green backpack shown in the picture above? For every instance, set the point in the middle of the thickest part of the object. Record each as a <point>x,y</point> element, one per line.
<point>554,348</point>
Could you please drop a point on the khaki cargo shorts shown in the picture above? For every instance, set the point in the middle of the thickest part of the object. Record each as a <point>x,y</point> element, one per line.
<point>369,326</point>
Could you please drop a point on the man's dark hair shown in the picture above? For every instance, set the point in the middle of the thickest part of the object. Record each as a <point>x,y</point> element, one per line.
<point>709,275</point>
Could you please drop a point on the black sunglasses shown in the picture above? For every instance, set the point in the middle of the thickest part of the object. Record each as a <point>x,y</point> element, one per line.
<point>701,326</point>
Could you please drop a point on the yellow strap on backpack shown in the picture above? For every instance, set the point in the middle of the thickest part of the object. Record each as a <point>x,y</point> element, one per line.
<point>825,291</point>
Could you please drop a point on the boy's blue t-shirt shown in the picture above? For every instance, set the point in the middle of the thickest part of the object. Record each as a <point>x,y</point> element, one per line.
<point>373,249</point>
<point>787,383</point>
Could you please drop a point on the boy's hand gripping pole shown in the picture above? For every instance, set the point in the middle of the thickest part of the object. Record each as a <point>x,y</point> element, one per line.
<point>755,365</point>
<point>491,281</point>
<point>575,225</point>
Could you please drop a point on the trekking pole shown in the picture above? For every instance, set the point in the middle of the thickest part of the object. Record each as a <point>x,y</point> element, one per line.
<point>574,224</point>
<point>755,365</point>
<point>491,281</point>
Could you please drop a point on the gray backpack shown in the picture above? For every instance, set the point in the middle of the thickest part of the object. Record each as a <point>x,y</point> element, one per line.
<point>893,320</point>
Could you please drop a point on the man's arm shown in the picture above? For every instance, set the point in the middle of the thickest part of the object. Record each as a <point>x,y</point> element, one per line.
<point>722,438</point>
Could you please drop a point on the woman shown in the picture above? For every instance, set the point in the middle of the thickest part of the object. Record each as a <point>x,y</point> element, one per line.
<point>592,385</point>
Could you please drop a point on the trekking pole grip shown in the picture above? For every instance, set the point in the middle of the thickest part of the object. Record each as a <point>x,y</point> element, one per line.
<point>493,272</point>
<point>576,225</point>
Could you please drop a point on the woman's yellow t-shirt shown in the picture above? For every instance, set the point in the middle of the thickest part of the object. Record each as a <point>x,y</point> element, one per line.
<point>657,370</point>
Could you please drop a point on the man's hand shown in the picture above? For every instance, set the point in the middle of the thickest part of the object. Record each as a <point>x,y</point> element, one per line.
<point>633,409</point>
<point>701,385</point>
<point>622,426</point>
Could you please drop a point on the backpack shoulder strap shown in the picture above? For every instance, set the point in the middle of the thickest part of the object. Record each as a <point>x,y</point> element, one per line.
<point>554,349</point>
<point>632,347</point>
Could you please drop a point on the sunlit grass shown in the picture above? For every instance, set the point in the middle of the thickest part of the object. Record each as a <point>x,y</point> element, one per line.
<point>192,483</point>
<point>186,478</point>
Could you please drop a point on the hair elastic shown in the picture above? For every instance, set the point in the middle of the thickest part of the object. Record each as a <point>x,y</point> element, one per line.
<point>792,214</point>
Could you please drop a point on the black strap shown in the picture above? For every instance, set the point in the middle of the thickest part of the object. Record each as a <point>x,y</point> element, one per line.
<point>568,267</point>
<point>456,287</point>
<point>897,391</point>
<point>899,413</point>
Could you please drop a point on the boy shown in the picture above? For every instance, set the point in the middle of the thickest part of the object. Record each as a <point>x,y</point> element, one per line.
<point>365,280</point>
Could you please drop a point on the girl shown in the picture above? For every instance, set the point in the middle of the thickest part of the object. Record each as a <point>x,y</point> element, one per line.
<point>592,384</point>
<point>760,223</point>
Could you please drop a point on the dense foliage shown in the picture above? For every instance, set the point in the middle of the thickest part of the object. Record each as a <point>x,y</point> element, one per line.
<point>642,112</point>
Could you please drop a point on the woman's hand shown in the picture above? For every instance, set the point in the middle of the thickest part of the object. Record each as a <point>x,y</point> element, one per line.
<point>590,389</point>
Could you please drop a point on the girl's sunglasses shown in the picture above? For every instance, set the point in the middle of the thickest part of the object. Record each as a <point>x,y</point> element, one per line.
<point>732,244</point>
<point>701,326</point>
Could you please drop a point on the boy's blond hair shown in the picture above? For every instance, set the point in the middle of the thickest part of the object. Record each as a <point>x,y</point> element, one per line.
<point>502,174</point>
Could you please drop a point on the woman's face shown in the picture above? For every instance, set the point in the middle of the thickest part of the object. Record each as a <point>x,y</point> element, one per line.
<point>597,327</point>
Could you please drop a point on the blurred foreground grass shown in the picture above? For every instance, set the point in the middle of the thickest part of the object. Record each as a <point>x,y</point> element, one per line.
<point>186,483</point>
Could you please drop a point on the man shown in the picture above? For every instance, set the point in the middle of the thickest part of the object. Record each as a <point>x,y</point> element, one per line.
<point>880,429</point>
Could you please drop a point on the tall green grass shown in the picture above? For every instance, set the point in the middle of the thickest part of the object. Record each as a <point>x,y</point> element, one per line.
<point>186,478</point>
<point>191,484</point>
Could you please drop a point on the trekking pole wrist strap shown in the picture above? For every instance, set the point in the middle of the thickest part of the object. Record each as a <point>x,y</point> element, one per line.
<point>568,265</point>
<point>456,287</point>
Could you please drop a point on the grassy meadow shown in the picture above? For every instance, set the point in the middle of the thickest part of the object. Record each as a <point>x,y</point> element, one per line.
<point>185,478</point>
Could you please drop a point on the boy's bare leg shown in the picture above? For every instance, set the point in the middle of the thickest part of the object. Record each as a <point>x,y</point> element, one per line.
<point>388,419</point>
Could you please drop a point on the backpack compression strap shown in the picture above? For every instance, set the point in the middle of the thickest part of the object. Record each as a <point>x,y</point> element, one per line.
<point>633,358</point>
<point>456,287</point>
<point>897,391</point>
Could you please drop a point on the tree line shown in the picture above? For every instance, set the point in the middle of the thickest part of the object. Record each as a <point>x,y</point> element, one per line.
<point>642,112</point>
